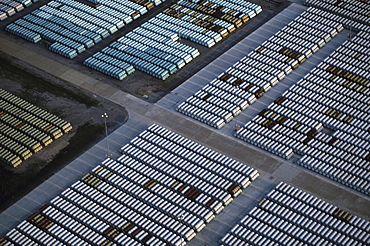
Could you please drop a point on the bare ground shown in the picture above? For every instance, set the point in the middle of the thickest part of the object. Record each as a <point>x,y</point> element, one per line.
<point>78,107</point>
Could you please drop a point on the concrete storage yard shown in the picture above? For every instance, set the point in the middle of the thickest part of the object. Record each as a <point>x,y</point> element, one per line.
<point>145,100</point>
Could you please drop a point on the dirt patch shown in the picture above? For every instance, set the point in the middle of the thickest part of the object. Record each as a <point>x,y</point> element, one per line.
<point>72,104</point>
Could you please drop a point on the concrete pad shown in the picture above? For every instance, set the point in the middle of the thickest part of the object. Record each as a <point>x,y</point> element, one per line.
<point>233,52</point>
<point>15,211</point>
<point>169,102</point>
<point>243,48</point>
<point>282,18</point>
<point>243,119</point>
<point>4,230</point>
<point>50,188</point>
<point>215,70</point>
<point>197,80</point>
<point>275,24</point>
<point>265,33</point>
<point>81,165</point>
<point>245,202</point>
<point>209,237</point>
<point>229,58</point>
<point>287,172</point>
<point>272,27</point>
<point>38,196</point>
<point>294,9</point>
<point>194,87</point>
<point>208,75</point>
<point>70,173</point>
<point>27,204</point>
<point>260,38</point>
<point>222,63</point>
<point>115,140</point>
<point>248,41</point>
<point>126,134</point>
<point>7,223</point>
<point>198,242</point>
<point>60,181</point>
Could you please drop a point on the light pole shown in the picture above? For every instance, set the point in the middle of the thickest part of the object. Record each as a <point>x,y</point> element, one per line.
<point>181,219</point>
<point>105,116</point>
